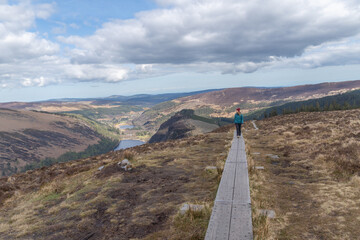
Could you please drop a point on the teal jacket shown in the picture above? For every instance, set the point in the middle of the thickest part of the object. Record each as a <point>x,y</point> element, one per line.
<point>238,118</point>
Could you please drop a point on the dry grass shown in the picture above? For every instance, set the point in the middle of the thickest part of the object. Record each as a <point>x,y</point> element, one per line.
<point>71,200</point>
<point>314,185</point>
<point>192,225</point>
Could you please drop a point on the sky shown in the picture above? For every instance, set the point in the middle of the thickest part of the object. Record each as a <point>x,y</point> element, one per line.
<point>92,48</point>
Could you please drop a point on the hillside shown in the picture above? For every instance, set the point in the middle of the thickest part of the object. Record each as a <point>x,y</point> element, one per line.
<point>76,200</point>
<point>310,178</point>
<point>27,137</point>
<point>344,101</point>
<point>114,111</point>
<point>78,104</point>
<point>223,103</point>
<point>183,124</point>
<point>253,97</point>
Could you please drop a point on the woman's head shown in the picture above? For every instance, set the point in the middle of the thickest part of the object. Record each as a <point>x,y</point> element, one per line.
<point>238,110</point>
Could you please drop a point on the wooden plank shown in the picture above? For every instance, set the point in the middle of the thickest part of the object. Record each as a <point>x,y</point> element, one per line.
<point>241,188</point>
<point>232,155</point>
<point>219,224</point>
<point>226,187</point>
<point>241,225</point>
<point>231,214</point>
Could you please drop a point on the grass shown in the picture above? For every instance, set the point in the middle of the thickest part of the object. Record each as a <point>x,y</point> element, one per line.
<point>313,186</point>
<point>103,129</point>
<point>72,199</point>
<point>192,225</point>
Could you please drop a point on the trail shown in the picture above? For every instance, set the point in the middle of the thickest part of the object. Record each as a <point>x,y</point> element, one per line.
<point>231,214</point>
<point>254,124</point>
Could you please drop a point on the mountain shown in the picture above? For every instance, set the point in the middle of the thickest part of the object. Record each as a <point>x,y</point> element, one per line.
<point>149,99</point>
<point>183,124</point>
<point>222,103</point>
<point>27,137</point>
<point>94,198</point>
<point>75,104</point>
<point>343,101</point>
<point>249,98</point>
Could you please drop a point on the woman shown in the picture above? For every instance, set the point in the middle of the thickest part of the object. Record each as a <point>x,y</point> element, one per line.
<point>238,119</point>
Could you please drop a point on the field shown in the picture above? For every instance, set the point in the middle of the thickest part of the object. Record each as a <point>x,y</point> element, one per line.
<point>311,175</point>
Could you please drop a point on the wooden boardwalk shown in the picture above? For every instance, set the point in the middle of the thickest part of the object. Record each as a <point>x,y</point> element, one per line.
<point>231,214</point>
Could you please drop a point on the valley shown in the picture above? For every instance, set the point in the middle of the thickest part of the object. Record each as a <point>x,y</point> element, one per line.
<point>222,103</point>
<point>309,177</point>
<point>304,167</point>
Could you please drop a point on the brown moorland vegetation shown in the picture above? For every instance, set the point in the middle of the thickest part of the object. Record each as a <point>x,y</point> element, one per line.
<point>27,137</point>
<point>222,103</point>
<point>314,185</point>
<point>76,200</point>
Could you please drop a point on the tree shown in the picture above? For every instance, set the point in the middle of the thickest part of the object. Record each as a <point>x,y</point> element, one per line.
<point>273,113</point>
<point>346,105</point>
<point>302,108</point>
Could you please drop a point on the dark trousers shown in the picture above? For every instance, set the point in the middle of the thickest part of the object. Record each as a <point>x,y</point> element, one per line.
<point>238,129</point>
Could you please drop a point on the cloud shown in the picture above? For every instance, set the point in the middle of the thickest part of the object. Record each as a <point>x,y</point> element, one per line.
<point>228,36</point>
<point>229,31</point>
<point>16,42</point>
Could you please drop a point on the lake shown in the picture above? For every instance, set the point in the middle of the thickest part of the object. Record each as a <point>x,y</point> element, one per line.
<point>126,126</point>
<point>128,144</point>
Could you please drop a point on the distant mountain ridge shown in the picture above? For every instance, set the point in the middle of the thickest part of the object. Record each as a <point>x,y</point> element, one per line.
<point>344,101</point>
<point>72,104</point>
<point>222,103</point>
<point>231,96</point>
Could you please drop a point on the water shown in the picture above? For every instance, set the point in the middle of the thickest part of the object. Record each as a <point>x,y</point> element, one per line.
<point>128,144</point>
<point>126,126</point>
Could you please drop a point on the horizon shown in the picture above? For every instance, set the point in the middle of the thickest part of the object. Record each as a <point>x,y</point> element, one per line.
<point>144,93</point>
<point>93,49</point>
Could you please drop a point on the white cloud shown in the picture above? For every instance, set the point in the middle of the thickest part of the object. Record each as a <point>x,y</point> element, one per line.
<point>227,36</point>
<point>91,72</point>
<point>328,54</point>
<point>229,31</point>
<point>16,42</point>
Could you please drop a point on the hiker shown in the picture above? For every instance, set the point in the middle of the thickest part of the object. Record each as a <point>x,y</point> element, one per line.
<point>238,120</point>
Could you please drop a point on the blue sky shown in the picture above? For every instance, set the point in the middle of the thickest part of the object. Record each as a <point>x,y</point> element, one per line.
<point>92,48</point>
<point>83,17</point>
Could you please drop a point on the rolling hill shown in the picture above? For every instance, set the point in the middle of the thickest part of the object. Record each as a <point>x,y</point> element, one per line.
<point>77,104</point>
<point>183,124</point>
<point>343,101</point>
<point>222,103</point>
<point>27,137</point>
